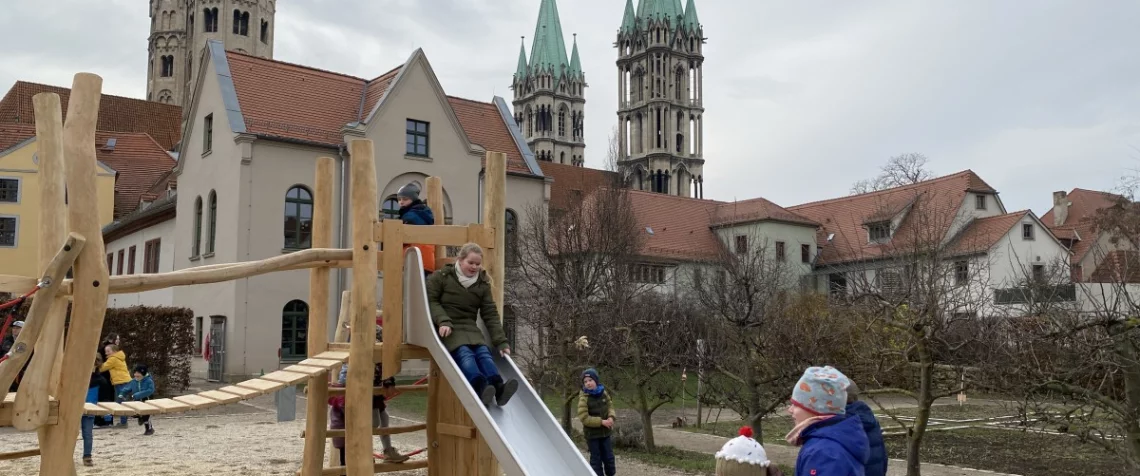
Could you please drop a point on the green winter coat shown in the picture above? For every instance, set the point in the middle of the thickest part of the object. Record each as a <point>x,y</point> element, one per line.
<point>457,307</point>
<point>592,409</point>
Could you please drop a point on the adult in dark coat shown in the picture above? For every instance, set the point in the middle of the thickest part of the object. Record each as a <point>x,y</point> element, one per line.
<point>876,464</point>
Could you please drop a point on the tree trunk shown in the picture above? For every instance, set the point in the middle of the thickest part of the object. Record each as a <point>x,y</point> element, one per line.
<point>647,429</point>
<point>925,400</point>
<point>1128,355</point>
<point>567,414</point>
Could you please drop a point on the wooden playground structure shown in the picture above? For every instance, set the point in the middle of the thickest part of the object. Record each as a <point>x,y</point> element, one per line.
<point>50,398</point>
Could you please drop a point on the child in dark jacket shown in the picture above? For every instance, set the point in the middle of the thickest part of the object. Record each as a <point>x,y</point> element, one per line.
<point>458,296</point>
<point>87,423</point>
<point>877,461</point>
<point>140,389</point>
<point>596,412</point>
<point>414,211</point>
<point>834,443</point>
<point>379,407</point>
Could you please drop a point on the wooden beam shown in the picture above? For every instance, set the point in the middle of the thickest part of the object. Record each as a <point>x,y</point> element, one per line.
<point>19,454</point>
<point>377,468</point>
<point>90,288</point>
<point>460,431</point>
<point>7,409</point>
<point>383,390</point>
<point>16,284</point>
<point>439,235</point>
<point>392,430</point>
<point>434,190</point>
<point>494,217</point>
<point>433,402</point>
<point>316,418</point>
<point>358,405</point>
<point>407,351</point>
<point>393,295</point>
<point>53,225</point>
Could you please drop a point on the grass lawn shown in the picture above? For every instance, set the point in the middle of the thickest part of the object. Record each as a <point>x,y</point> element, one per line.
<point>774,427</point>
<point>669,457</point>
<point>950,412</point>
<point>1028,454</point>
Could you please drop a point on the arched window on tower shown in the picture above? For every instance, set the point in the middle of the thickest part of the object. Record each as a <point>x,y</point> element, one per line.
<point>264,31</point>
<point>562,122</point>
<point>167,66</point>
<point>244,24</point>
<point>562,157</point>
<point>529,122</point>
<point>679,84</point>
<point>210,23</point>
<point>237,21</point>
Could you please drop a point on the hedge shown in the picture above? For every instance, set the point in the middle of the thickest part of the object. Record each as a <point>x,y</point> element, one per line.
<point>162,338</point>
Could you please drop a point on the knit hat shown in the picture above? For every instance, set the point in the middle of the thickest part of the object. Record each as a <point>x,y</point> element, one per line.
<point>593,374</point>
<point>822,391</point>
<point>18,324</point>
<point>140,368</point>
<point>410,191</point>
<point>742,456</point>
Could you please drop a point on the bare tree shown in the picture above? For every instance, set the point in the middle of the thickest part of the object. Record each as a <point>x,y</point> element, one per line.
<point>904,169</point>
<point>565,265</point>
<point>613,151</point>
<point>918,296</point>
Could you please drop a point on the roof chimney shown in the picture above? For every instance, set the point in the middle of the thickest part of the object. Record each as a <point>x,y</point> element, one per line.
<point>1060,208</point>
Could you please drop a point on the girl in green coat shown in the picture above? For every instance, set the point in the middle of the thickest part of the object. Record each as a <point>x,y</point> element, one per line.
<point>457,295</point>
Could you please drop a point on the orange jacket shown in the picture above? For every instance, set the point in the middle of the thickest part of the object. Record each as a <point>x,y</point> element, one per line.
<point>428,254</point>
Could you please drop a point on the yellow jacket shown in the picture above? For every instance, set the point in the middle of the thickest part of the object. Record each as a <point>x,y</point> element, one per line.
<point>117,364</point>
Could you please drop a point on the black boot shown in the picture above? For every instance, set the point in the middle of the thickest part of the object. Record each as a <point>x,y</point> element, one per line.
<point>505,390</point>
<point>485,392</point>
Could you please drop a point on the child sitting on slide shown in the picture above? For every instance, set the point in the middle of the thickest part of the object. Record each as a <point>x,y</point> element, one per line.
<point>457,295</point>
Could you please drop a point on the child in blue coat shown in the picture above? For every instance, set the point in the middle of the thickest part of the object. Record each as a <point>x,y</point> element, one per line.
<point>87,423</point>
<point>877,460</point>
<point>140,389</point>
<point>834,443</point>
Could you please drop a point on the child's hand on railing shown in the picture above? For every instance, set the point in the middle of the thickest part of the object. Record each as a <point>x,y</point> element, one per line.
<point>506,352</point>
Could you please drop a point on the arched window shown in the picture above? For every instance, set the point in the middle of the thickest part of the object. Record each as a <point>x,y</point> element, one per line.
<point>237,21</point>
<point>167,66</point>
<point>562,157</point>
<point>213,222</point>
<point>197,249</point>
<point>294,330</point>
<point>390,209</point>
<point>562,123</point>
<point>298,218</point>
<point>679,84</point>
<point>510,226</point>
<point>244,24</point>
<point>264,31</point>
<point>210,25</point>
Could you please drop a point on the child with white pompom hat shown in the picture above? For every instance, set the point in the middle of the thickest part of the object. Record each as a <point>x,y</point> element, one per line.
<point>744,456</point>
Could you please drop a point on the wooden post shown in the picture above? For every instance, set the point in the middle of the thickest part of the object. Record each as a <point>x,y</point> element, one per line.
<point>393,304</point>
<point>89,289</point>
<point>358,394</point>
<point>316,420</point>
<point>435,202</point>
<point>341,335</point>
<point>53,228</point>
<point>494,217</point>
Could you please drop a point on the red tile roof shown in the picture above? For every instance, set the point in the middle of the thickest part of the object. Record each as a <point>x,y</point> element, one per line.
<point>930,209</point>
<point>756,209</point>
<point>484,126</point>
<point>1080,223</point>
<point>1119,266</point>
<point>139,161</point>
<point>572,183</point>
<point>981,234</point>
<point>13,134</point>
<point>116,113</point>
<point>682,227</point>
<point>291,101</point>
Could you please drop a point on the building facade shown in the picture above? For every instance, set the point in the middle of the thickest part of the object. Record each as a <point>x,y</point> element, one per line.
<point>246,169</point>
<point>179,30</point>
<point>550,93</point>
<point>660,97</point>
<point>145,239</point>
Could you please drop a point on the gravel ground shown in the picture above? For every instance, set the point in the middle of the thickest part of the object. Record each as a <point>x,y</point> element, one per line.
<point>232,444</point>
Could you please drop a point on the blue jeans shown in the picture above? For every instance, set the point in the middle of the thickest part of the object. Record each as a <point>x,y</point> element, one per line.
<point>120,389</point>
<point>87,427</point>
<point>478,366</point>
<point>602,456</point>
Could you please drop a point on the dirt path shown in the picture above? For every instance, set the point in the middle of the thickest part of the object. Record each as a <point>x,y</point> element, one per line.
<point>245,444</point>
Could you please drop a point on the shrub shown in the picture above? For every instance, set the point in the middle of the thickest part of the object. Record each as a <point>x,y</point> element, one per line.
<point>629,434</point>
<point>162,338</point>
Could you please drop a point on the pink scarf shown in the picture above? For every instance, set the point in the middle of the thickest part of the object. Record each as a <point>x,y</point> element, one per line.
<point>793,436</point>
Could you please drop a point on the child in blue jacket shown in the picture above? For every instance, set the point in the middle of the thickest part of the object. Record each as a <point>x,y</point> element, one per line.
<point>833,442</point>
<point>87,423</point>
<point>140,389</point>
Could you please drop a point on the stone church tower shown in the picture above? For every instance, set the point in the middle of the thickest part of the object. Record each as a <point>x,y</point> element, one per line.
<point>178,33</point>
<point>660,107</point>
<point>550,90</point>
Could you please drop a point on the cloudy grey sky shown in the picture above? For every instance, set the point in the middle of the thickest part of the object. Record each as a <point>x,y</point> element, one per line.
<point>802,98</point>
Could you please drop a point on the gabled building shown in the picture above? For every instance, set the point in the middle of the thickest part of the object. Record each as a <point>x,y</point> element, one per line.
<point>253,134</point>
<point>1097,255</point>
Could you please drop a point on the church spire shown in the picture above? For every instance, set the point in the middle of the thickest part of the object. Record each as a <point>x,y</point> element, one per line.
<point>520,73</point>
<point>548,51</point>
<point>691,22</point>
<point>575,62</point>
<point>629,21</point>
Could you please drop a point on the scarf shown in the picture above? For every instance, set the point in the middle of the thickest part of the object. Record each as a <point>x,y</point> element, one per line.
<point>793,436</point>
<point>598,389</point>
<point>466,281</point>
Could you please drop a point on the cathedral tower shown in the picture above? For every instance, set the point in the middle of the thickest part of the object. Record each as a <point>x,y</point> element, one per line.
<point>179,30</point>
<point>550,89</point>
<point>660,91</point>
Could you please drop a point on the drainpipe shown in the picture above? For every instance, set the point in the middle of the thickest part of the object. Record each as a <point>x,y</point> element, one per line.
<point>341,210</point>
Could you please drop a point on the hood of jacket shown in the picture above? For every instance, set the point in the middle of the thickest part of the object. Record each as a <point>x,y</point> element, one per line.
<point>845,431</point>
<point>418,213</point>
<point>864,413</point>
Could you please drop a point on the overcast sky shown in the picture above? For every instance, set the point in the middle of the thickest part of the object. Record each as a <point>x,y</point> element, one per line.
<point>802,97</point>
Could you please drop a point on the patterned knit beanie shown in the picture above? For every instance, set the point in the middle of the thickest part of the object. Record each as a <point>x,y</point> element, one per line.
<point>742,456</point>
<point>822,391</point>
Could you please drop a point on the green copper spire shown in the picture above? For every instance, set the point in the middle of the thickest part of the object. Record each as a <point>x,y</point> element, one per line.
<point>691,22</point>
<point>522,69</point>
<point>548,51</point>
<point>628,22</point>
<point>660,9</point>
<point>575,63</point>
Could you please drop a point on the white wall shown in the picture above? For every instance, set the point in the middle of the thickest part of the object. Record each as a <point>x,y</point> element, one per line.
<point>160,297</point>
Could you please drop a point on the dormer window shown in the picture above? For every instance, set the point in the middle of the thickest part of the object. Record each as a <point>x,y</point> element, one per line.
<point>880,231</point>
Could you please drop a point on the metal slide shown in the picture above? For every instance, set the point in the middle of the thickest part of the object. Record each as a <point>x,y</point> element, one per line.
<point>523,435</point>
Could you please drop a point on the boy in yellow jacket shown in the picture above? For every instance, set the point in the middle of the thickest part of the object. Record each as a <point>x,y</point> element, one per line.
<point>117,364</point>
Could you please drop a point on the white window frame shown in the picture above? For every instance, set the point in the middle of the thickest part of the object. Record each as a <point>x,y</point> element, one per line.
<point>19,189</point>
<point>16,241</point>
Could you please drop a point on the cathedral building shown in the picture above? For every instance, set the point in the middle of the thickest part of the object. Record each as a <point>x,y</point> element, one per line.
<point>660,97</point>
<point>550,93</point>
<point>179,30</point>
